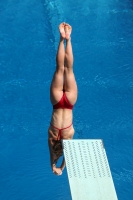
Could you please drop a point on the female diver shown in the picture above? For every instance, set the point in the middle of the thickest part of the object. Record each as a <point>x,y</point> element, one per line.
<point>63,95</point>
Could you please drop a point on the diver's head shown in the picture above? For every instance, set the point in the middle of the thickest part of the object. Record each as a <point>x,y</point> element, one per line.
<point>57,148</point>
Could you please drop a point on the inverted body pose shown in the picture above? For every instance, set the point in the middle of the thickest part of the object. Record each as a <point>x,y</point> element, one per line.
<point>63,94</point>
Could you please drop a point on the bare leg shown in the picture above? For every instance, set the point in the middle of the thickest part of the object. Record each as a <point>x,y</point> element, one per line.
<point>68,50</point>
<point>58,79</point>
<point>70,83</point>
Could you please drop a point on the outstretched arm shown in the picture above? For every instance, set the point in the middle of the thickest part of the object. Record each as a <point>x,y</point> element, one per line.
<point>54,158</point>
<point>63,164</point>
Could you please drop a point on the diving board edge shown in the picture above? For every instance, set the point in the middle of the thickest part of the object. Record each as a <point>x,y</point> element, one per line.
<point>88,170</point>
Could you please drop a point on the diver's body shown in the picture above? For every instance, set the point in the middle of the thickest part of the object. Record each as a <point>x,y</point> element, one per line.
<point>63,94</point>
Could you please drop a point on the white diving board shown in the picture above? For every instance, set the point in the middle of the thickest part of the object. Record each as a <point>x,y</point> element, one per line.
<point>88,170</point>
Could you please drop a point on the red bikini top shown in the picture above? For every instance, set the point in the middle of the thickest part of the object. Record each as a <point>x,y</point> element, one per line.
<point>63,103</point>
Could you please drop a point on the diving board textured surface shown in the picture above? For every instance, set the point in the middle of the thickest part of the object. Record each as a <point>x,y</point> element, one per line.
<point>88,170</point>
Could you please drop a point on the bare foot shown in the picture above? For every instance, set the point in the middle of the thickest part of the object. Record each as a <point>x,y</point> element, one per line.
<point>56,171</point>
<point>68,30</point>
<point>61,29</point>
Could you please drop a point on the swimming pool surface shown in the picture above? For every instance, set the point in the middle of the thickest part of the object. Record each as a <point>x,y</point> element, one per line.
<point>102,41</point>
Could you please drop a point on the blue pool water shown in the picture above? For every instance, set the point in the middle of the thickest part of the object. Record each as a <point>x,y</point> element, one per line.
<point>102,41</point>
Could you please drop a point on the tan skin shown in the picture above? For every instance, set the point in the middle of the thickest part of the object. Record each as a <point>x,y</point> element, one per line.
<point>63,79</point>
